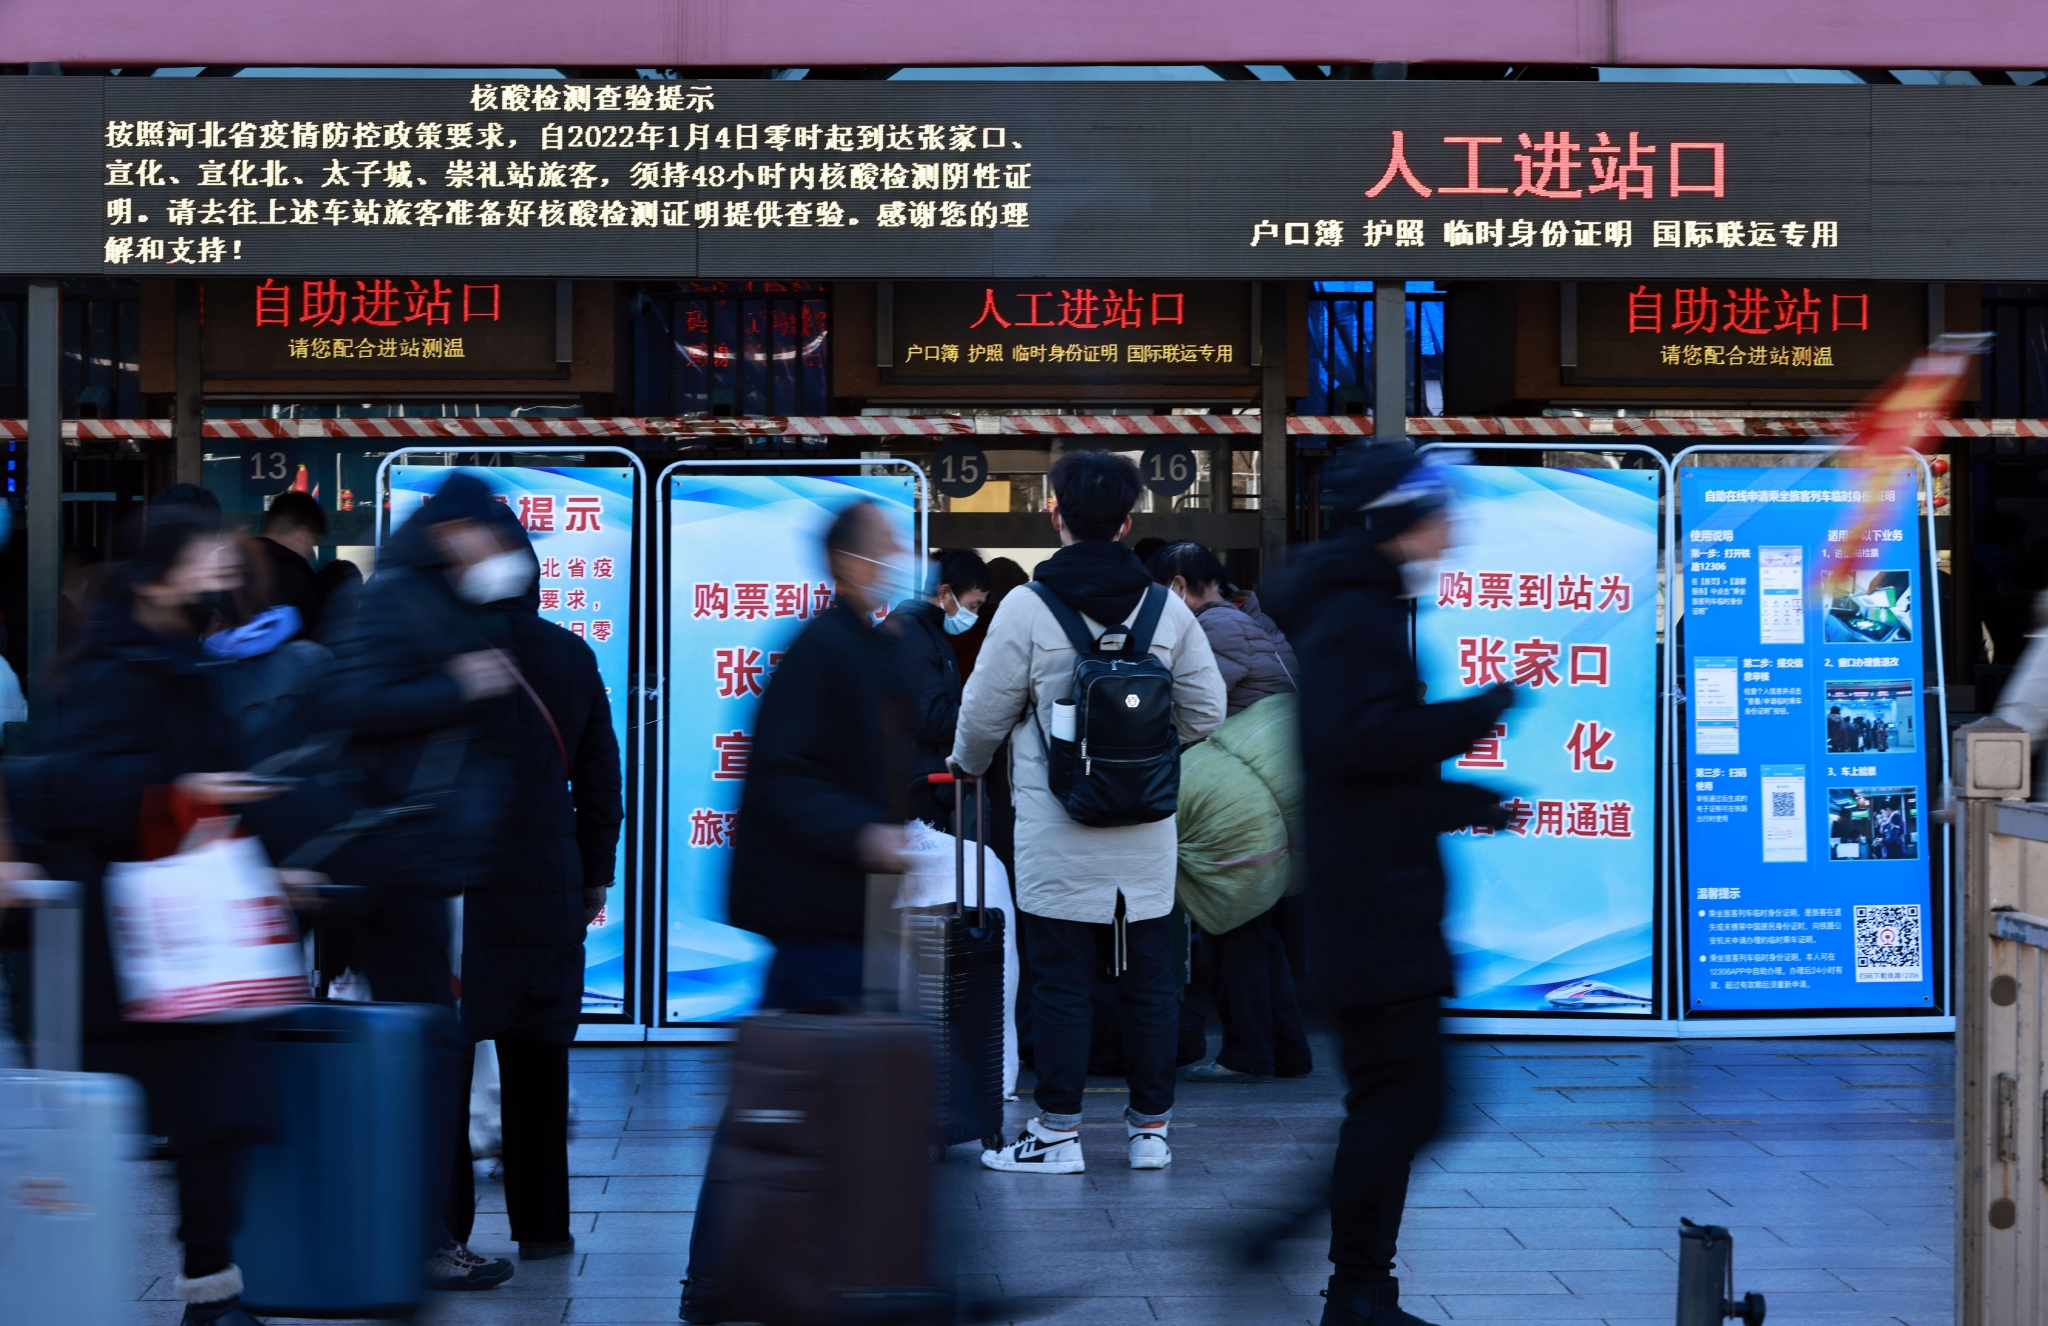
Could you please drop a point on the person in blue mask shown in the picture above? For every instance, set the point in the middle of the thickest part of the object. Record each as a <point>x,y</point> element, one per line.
<point>918,630</point>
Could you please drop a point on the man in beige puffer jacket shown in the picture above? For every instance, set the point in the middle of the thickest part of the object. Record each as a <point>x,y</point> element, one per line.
<point>1074,881</point>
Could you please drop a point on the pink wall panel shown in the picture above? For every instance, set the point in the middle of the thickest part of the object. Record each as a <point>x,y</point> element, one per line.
<point>1827,33</point>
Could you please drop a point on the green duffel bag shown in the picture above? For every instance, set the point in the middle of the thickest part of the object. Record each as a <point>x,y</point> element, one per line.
<point>1240,816</point>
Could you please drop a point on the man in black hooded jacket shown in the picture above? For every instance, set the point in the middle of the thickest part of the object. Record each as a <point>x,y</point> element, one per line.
<point>424,689</point>
<point>1372,806</point>
<point>523,926</point>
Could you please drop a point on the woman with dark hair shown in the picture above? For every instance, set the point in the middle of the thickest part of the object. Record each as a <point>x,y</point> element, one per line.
<point>132,748</point>
<point>1254,658</point>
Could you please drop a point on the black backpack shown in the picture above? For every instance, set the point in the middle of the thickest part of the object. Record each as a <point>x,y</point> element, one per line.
<point>1123,766</point>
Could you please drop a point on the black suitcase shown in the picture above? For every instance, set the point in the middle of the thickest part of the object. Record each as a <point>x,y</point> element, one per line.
<point>956,956</point>
<point>817,1203</point>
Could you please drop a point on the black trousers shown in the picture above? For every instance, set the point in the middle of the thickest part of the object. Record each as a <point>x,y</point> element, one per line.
<point>210,1096</point>
<point>1393,1061</point>
<point>209,1201</point>
<point>533,1095</point>
<point>412,968</point>
<point>1254,983</point>
<point>1064,962</point>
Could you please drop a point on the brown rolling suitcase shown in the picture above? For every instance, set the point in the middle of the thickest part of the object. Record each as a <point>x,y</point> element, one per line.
<point>817,1204</point>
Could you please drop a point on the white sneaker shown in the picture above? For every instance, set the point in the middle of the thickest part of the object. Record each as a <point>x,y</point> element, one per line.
<point>456,1267</point>
<point>1148,1147</point>
<point>1038,1150</point>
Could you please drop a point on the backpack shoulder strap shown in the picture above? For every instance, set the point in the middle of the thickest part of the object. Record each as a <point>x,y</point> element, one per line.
<point>1069,620</point>
<point>1148,620</point>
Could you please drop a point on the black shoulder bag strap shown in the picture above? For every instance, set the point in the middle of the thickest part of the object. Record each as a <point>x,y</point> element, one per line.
<point>1148,620</point>
<point>1069,620</point>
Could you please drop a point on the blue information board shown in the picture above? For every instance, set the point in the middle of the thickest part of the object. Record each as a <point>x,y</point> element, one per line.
<point>1809,859</point>
<point>1552,587</point>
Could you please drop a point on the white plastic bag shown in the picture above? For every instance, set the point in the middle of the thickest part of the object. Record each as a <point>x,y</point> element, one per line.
<point>486,1110</point>
<point>206,934</point>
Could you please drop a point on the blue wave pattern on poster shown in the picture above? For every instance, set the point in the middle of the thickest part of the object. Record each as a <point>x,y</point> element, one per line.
<point>1558,918</point>
<point>577,516</point>
<point>724,531</point>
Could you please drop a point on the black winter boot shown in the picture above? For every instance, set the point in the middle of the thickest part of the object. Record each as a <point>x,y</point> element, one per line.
<point>214,1300</point>
<point>1366,1305</point>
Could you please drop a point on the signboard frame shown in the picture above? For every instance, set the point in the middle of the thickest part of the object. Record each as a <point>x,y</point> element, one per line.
<point>1320,180</point>
<point>1589,1026</point>
<point>655,940</point>
<point>628,1022</point>
<point>1941,892</point>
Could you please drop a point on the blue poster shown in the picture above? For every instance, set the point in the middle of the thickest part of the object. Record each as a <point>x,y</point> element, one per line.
<point>1552,587</point>
<point>746,573</point>
<point>581,521</point>
<point>1808,881</point>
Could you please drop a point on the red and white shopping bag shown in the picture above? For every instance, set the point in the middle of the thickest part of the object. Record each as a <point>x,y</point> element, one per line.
<point>205,933</point>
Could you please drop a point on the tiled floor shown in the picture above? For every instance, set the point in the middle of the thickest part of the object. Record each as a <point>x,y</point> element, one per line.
<point>1553,1195</point>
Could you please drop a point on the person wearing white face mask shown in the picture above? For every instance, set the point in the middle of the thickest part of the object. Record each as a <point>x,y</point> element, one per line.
<point>929,671</point>
<point>417,678</point>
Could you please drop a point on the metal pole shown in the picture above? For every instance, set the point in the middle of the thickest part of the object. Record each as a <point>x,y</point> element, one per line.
<point>45,473</point>
<point>59,925</point>
<point>1991,765</point>
<point>1273,488</point>
<point>189,425</point>
<point>1389,361</point>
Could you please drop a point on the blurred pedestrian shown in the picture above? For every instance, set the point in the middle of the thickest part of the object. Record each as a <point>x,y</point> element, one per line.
<point>1373,805</point>
<point>821,809</point>
<point>2023,701</point>
<point>523,926</point>
<point>919,631</point>
<point>134,747</point>
<point>422,684</point>
<point>341,581</point>
<point>292,530</point>
<point>1076,883</point>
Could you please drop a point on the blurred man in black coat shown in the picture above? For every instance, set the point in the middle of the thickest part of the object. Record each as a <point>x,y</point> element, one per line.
<point>1373,805</point>
<point>523,927</point>
<point>819,812</point>
<point>821,809</point>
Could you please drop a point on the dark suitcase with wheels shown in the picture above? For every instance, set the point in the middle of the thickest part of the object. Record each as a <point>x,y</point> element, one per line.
<point>817,1205</point>
<point>956,955</point>
<point>334,1218</point>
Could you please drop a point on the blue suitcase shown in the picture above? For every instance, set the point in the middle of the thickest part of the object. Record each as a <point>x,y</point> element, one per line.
<point>68,1140</point>
<point>334,1218</point>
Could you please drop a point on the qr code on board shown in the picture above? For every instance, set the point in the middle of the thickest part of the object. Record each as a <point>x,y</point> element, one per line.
<point>1784,805</point>
<point>1888,942</point>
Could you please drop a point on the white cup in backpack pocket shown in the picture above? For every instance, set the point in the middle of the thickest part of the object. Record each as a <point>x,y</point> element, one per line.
<point>1063,720</point>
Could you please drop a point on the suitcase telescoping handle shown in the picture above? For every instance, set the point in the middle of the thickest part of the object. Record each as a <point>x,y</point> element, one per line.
<point>960,844</point>
<point>58,984</point>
